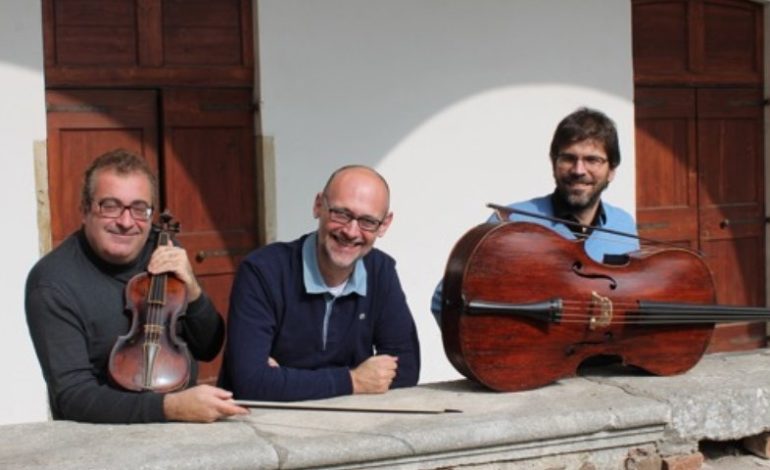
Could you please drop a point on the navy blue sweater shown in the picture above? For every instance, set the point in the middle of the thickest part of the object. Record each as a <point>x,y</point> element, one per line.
<point>272,315</point>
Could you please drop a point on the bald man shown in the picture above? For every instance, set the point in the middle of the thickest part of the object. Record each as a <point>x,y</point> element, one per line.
<point>324,315</point>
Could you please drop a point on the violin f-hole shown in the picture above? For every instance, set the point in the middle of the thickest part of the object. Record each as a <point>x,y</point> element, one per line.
<point>577,268</point>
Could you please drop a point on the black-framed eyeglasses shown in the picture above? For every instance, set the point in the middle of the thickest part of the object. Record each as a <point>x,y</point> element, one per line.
<point>344,217</point>
<point>592,162</point>
<point>113,208</point>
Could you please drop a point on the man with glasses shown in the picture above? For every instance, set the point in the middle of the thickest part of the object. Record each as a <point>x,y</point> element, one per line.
<point>584,156</point>
<point>76,309</point>
<point>323,315</point>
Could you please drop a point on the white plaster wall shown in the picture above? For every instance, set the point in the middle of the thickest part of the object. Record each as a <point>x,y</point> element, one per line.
<point>22,122</point>
<point>454,101</point>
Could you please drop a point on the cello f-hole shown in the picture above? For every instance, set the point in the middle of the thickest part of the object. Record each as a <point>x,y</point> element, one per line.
<point>577,268</point>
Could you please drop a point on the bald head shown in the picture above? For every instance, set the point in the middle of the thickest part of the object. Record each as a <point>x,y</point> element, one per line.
<point>359,176</point>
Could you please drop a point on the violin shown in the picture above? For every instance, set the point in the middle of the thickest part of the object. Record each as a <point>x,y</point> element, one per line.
<point>151,356</point>
<point>523,306</point>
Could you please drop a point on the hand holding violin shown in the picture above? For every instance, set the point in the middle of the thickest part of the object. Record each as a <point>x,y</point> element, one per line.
<point>173,259</point>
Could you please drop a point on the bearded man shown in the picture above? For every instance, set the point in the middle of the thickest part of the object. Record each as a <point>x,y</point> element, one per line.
<point>584,156</point>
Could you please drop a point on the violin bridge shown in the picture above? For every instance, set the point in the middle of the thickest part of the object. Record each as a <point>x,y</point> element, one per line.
<point>602,305</point>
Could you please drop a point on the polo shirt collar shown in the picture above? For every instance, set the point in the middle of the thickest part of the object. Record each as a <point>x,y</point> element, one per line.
<point>314,281</point>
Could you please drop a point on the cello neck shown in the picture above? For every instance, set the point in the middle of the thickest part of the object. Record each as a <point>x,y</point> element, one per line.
<point>641,313</point>
<point>675,313</point>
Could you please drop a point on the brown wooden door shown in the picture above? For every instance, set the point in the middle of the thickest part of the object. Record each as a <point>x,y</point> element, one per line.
<point>700,175</point>
<point>148,43</point>
<point>731,205</point>
<point>210,183</point>
<point>700,183</point>
<point>204,159</point>
<point>697,42</point>
<point>666,169</point>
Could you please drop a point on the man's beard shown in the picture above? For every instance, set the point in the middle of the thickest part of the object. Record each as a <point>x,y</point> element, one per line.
<point>582,201</point>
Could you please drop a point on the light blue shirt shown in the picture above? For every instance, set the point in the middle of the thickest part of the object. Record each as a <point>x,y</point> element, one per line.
<point>315,284</point>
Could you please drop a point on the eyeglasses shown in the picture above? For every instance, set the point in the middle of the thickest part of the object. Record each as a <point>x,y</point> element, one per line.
<point>568,160</point>
<point>344,217</point>
<point>112,208</point>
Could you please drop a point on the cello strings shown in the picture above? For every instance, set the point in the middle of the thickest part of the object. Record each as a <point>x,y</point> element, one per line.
<point>656,312</point>
<point>582,311</point>
<point>672,308</point>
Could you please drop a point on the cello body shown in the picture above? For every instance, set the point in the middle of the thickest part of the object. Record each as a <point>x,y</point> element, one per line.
<point>522,307</point>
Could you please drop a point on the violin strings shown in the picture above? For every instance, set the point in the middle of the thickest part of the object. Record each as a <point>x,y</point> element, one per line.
<point>157,299</point>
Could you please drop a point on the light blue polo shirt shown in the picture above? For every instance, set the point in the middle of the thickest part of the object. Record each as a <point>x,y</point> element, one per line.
<point>315,284</point>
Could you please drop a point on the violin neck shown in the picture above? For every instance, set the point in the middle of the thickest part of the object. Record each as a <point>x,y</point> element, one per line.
<point>156,295</point>
<point>163,238</point>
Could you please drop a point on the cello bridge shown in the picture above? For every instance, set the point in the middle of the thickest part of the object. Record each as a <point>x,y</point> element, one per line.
<point>601,311</point>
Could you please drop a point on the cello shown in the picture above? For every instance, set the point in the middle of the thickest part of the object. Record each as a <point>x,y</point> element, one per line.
<point>523,307</point>
<point>151,357</point>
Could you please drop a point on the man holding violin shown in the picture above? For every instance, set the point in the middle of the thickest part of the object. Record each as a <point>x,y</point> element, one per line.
<point>76,309</point>
<point>584,156</point>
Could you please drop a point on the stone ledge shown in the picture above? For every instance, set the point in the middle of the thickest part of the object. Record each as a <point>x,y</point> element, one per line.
<point>724,397</point>
<point>597,419</point>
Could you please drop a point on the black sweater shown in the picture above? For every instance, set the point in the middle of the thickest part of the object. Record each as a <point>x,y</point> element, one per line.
<point>76,310</point>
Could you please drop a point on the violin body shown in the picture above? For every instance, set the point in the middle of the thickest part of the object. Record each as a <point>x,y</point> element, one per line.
<point>522,307</point>
<point>151,356</point>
